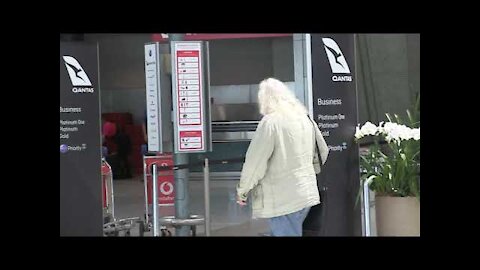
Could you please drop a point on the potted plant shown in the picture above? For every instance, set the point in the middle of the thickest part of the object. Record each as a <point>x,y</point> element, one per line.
<point>391,166</point>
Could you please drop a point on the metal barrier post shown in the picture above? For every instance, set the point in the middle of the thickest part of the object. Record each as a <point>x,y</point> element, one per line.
<point>366,207</point>
<point>206,187</point>
<point>156,231</point>
<point>145,183</point>
<point>110,188</point>
<point>366,203</point>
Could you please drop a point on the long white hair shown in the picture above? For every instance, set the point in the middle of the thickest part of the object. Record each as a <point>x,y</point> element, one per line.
<point>275,96</point>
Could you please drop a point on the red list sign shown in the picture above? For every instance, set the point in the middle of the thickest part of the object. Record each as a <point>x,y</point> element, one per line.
<point>188,96</point>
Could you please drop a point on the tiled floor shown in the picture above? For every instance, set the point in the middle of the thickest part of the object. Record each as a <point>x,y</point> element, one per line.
<point>227,218</point>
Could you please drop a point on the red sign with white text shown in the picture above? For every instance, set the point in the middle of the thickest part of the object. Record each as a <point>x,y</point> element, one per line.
<point>166,180</point>
<point>191,139</point>
<point>189,107</point>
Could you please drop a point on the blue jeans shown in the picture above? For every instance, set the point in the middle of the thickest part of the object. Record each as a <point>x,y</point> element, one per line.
<point>288,225</point>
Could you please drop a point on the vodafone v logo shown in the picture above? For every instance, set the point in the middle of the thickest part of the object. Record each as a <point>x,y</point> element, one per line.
<point>76,72</point>
<point>166,188</point>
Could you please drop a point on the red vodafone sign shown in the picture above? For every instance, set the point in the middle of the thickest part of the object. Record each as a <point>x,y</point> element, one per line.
<point>166,180</point>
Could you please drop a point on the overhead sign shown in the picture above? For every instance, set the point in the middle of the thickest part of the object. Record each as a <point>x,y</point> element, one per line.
<point>211,36</point>
<point>191,111</point>
<point>152,84</point>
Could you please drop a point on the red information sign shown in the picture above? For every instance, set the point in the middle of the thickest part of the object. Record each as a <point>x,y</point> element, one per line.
<point>190,139</point>
<point>190,133</point>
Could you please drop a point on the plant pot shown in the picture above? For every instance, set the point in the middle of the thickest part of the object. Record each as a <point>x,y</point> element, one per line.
<point>397,216</point>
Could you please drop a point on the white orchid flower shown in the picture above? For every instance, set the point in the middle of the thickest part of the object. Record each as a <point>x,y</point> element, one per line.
<point>369,128</point>
<point>358,133</point>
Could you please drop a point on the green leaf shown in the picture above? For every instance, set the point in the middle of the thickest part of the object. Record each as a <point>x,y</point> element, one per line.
<point>410,118</point>
<point>398,119</point>
<point>389,117</point>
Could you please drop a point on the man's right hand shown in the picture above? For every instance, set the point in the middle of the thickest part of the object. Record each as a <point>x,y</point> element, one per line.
<point>241,202</point>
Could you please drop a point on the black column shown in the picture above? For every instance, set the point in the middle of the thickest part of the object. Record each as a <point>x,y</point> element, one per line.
<point>335,111</point>
<point>80,141</point>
